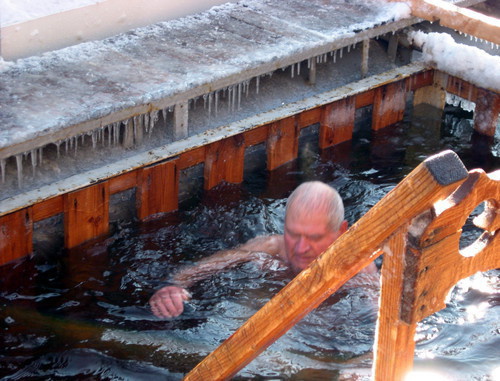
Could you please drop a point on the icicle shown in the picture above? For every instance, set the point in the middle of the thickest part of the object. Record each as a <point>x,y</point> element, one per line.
<point>145,118</point>
<point>164,112</point>
<point>341,52</point>
<point>58,144</point>
<point>348,48</point>
<point>308,63</point>
<point>76,144</point>
<point>33,160</point>
<point>469,95</point>
<point>233,99</point>
<point>94,139</point>
<point>153,118</point>
<point>257,79</point>
<point>116,133</point>
<point>335,56</point>
<point>229,98</point>
<point>2,168</point>
<point>239,96</point>
<point>216,102</point>
<point>205,101</point>
<point>247,84</point>
<point>19,162</point>
<point>210,104</point>
<point>67,142</point>
<point>40,155</point>
<point>292,70</point>
<point>298,68</point>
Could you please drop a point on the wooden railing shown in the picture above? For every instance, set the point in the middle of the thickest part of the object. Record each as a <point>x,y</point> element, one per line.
<point>418,227</point>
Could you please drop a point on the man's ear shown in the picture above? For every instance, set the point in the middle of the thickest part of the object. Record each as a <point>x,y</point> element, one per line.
<point>344,226</point>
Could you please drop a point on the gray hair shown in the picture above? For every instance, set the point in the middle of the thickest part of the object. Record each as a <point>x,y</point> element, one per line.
<point>315,195</point>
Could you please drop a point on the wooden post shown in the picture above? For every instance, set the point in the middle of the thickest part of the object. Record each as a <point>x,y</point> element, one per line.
<point>283,142</point>
<point>429,182</point>
<point>487,112</point>
<point>181,112</point>
<point>224,161</point>
<point>337,122</point>
<point>433,95</point>
<point>388,105</point>
<point>157,190</point>
<point>16,235</point>
<point>394,342</point>
<point>86,214</point>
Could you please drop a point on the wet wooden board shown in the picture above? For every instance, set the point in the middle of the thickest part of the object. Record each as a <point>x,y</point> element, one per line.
<point>16,231</point>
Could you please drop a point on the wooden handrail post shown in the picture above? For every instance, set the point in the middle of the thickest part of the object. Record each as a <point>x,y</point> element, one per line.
<point>422,261</point>
<point>431,181</point>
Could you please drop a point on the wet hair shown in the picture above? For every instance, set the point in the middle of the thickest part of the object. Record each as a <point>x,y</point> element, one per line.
<point>312,196</point>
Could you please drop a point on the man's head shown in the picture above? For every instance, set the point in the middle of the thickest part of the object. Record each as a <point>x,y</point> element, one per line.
<point>314,219</point>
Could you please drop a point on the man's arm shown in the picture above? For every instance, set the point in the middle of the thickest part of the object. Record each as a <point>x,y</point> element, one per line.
<point>168,301</point>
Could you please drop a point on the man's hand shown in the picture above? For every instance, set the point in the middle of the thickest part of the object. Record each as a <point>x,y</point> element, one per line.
<point>168,301</point>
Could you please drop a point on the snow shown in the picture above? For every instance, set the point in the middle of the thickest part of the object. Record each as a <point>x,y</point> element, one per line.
<point>467,62</point>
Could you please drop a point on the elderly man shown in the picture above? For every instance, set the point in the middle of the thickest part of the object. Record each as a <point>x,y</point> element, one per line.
<point>314,219</point>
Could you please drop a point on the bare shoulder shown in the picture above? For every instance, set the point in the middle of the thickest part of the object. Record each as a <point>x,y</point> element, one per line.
<point>271,244</point>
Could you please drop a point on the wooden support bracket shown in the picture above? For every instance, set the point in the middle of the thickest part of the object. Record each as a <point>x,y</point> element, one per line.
<point>16,235</point>
<point>157,190</point>
<point>86,214</point>
<point>389,105</point>
<point>337,122</point>
<point>224,161</point>
<point>283,142</point>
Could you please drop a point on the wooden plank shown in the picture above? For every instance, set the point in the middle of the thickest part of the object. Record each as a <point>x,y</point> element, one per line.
<point>191,158</point>
<point>48,208</point>
<point>309,117</point>
<point>123,182</point>
<point>388,105</point>
<point>16,235</point>
<point>487,112</point>
<point>431,181</point>
<point>256,136</point>
<point>394,339</point>
<point>365,98</point>
<point>463,89</point>
<point>283,142</point>
<point>337,122</point>
<point>419,80</point>
<point>86,214</point>
<point>157,189</point>
<point>224,161</point>
<point>458,18</point>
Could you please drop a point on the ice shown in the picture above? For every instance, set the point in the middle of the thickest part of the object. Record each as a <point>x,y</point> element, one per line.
<point>2,169</point>
<point>19,163</point>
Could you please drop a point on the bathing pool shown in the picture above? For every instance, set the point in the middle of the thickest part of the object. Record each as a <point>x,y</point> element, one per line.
<point>83,314</point>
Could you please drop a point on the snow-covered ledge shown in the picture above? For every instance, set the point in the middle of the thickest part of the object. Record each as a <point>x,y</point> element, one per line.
<point>31,27</point>
<point>466,62</point>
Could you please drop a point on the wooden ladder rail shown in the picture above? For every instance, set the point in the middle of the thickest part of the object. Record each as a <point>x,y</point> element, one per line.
<point>432,181</point>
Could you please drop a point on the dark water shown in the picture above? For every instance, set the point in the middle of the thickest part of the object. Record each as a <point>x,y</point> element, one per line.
<point>83,315</point>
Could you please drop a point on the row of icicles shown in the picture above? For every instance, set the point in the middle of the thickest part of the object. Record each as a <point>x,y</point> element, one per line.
<point>132,131</point>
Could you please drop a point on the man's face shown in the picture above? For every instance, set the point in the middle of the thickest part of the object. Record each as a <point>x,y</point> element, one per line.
<point>307,236</point>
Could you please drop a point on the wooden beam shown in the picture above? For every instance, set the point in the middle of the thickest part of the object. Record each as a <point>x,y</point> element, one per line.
<point>337,122</point>
<point>224,161</point>
<point>48,208</point>
<point>389,105</point>
<point>16,235</point>
<point>86,214</point>
<point>458,18</point>
<point>157,190</point>
<point>283,142</point>
<point>429,182</point>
